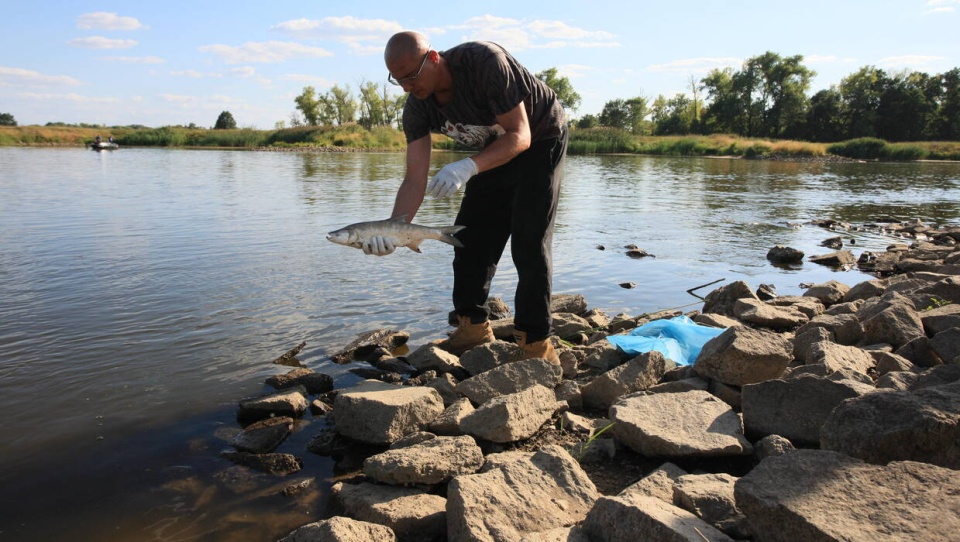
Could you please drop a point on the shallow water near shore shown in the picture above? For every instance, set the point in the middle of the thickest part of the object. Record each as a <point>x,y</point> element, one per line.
<point>144,292</point>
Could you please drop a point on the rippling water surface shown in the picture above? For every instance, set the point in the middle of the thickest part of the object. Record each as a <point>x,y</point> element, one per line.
<point>144,292</point>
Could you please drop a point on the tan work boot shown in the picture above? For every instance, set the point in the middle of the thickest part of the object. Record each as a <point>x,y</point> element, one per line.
<point>466,336</point>
<point>539,349</point>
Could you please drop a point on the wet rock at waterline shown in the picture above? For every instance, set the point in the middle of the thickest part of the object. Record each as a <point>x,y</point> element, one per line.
<point>862,377</point>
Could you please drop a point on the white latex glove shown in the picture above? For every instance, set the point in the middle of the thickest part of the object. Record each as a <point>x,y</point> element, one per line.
<point>451,178</point>
<point>378,245</point>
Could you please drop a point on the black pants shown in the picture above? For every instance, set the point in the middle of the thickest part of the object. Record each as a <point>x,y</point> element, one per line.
<point>516,201</point>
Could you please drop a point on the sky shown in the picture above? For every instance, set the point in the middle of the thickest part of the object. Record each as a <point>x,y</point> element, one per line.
<point>178,62</point>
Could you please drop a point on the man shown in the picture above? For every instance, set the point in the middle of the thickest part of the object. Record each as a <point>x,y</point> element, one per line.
<point>478,94</point>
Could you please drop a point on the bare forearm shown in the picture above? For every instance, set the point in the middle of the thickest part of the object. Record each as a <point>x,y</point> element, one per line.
<point>409,198</point>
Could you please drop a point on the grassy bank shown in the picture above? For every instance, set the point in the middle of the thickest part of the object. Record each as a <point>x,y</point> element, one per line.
<point>587,141</point>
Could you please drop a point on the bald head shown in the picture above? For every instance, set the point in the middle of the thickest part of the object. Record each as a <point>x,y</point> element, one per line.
<point>405,45</point>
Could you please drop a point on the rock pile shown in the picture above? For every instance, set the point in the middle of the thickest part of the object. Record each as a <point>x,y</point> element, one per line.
<point>832,415</point>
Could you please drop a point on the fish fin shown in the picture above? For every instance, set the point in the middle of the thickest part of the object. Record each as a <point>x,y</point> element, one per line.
<point>415,247</point>
<point>447,235</point>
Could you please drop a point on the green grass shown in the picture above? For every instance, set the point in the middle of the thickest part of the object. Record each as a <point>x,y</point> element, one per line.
<point>600,140</point>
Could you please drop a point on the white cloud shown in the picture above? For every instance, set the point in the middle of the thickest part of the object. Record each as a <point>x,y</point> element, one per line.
<point>363,36</point>
<point>941,6</point>
<point>70,97</point>
<point>179,98</point>
<point>264,52</point>
<point>100,42</point>
<point>573,71</point>
<point>21,77</point>
<point>909,61</point>
<point>562,31</point>
<point>102,20</point>
<point>517,35</point>
<point>696,65</point>
<point>312,80</point>
<point>135,59</point>
<point>243,72</point>
<point>194,74</point>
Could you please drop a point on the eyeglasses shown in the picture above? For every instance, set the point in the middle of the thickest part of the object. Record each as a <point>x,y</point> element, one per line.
<point>409,78</point>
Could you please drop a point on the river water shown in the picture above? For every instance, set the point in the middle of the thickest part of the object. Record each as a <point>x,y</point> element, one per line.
<point>144,292</point>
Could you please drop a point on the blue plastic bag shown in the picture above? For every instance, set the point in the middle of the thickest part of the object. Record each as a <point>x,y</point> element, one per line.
<point>679,339</point>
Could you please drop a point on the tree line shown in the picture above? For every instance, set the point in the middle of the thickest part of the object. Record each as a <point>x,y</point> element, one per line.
<point>768,98</point>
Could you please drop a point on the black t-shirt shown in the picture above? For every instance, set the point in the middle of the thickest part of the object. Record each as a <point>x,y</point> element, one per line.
<point>487,81</point>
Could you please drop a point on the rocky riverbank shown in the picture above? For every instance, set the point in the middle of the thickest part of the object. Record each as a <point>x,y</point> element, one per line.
<point>833,415</point>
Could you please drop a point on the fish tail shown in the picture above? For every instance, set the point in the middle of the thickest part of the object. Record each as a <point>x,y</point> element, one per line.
<point>447,235</point>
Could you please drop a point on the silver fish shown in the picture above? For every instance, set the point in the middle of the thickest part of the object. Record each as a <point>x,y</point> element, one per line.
<point>397,230</point>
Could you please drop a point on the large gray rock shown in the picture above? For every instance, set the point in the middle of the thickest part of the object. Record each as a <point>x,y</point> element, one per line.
<point>809,306</point>
<point>410,513</point>
<point>431,357</point>
<point>520,497</point>
<point>448,423</point>
<point>940,318</point>
<point>710,497</point>
<point>754,311</point>
<point>846,328</point>
<point>311,380</point>
<point>921,425</point>
<point>946,344</point>
<point>742,355</point>
<point>379,413</point>
<point>513,417</point>
<point>488,356</point>
<point>659,483</point>
<point>635,518</point>
<point>829,293</point>
<point>567,324</point>
<point>722,300</point>
<point>693,423</point>
<point>896,323</point>
<point>263,436</point>
<point>815,496</point>
<point>510,378</point>
<point>795,408</point>
<point>637,374</point>
<point>837,357</point>
<point>434,461</point>
<point>291,403</point>
<point>341,529</point>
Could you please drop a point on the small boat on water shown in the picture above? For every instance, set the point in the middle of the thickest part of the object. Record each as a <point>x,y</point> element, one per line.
<point>104,146</point>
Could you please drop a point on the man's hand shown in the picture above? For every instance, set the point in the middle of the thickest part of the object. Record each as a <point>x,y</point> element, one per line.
<point>451,178</point>
<point>378,245</point>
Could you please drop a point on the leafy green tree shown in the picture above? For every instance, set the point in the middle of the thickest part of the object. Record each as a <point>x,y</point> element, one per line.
<point>376,105</point>
<point>627,115</point>
<point>396,110</point>
<point>225,122</point>
<point>905,110</point>
<point>637,118</point>
<point>766,97</point>
<point>723,113</point>
<point>824,120</point>
<point>615,114</point>
<point>340,105</point>
<point>587,121</point>
<point>562,87</point>
<point>946,123</point>
<point>6,119</point>
<point>308,105</point>
<point>861,93</point>
<point>674,116</point>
